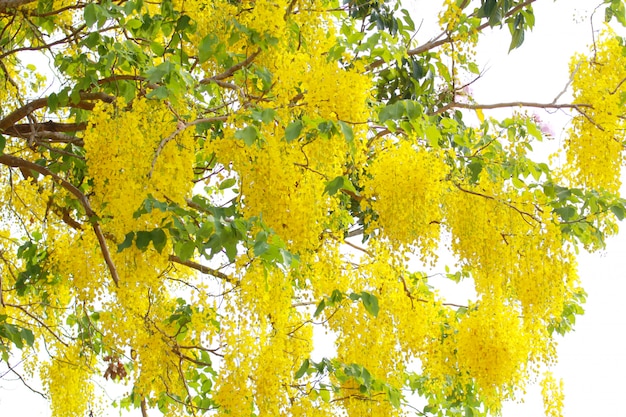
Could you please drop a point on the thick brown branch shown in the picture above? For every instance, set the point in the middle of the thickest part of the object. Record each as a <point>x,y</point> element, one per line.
<point>5,5</point>
<point>84,103</point>
<point>13,161</point>
<point>49,126</point>
<point>45,137</point>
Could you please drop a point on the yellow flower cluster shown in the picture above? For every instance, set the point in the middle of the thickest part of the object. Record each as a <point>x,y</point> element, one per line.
<point>403,325</point>
<point>405,188</point>
<point>460,28</point>
<point>450,16</point>
<point>265,338</point>
<point>521,268</point>
<point>67,380</point>
<point>493,347</point>
<point>595,146</point>
<point>135,151</point>
<point>284,183</point>
<point>132,150</point>
<point>553,396</point>
<point>510,247</point>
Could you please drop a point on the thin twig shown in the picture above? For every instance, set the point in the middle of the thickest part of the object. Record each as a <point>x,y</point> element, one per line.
<point>144,408</point>
<point>434,43</point>
<point>489,197</point>
<point>39,321</point>
<point>475,106</point>
<point>180,127</point>
<point>571,80</point>
<point>231,71</point>
<point>203,268</point>
<point>358,248</point>
<point>12,369</point>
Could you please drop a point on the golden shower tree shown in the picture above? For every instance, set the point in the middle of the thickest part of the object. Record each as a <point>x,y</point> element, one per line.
<point>194,192</point>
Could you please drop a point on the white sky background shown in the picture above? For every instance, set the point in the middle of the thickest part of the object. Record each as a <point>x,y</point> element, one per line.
<point>593,357</point>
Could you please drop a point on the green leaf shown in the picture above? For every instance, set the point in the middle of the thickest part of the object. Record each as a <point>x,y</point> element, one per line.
<point>159,239</point>
<point>90,14</point>
<point>161,93</point>
<point>618,211</point>
<point>264,115</point>
<point>475,167</point>
<point>320,308</point>
<point>300,372</point>
<point>206,49</point>
<point>354,296</point>
<point>517,183</point>
<point>11,332</point>
<point>346,129</point>
<point>248,134</point>
<point>370,302</point>
<point>53,102</point>
<point>133,23</point>
<point>28,336</point>
<point>128,241</point>
<point>157,48</point>
<point>517,39</point>
<point>184,250</point>
<point>293,131</point>
<point>325,395</point>
<point>433,135</point>
<point>75,96</point>
<point>143,240</point>
<point>394,397</point>
<point>227,183</point>
<point>392,112</point>
<point>333,186</point>
<point>337,184</point>
<point>566,213</point>
<point>473,68</point>
<point>183,23</point>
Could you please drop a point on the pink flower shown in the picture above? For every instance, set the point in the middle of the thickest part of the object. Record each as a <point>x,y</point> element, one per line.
<point>545,128</point>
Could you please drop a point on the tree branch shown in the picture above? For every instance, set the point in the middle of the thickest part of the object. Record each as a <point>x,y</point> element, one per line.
<point>202,268</point>
<point>12,369</point>
<point>144,408</point>
<point>5,5</point>
<point>16,162</point>
<point>489,197</point>
<point>179,128</point>
<point>230,71</point>
<point>65,40</point>
<point>448,39</point>
<point>49,126</point>
<point>84,103</point>
<point>456,105</point>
